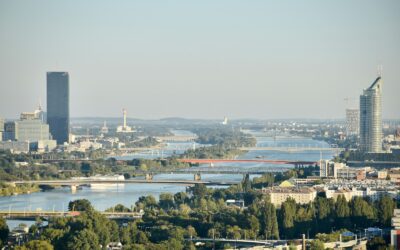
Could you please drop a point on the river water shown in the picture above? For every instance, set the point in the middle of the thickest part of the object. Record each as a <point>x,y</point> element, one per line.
<point>128,194</point>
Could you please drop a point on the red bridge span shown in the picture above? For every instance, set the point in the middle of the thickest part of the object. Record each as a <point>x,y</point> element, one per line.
<point>209,161</point>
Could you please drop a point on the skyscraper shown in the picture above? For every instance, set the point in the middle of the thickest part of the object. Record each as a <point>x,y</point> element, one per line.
<point>58,105</point>
<point>371,118</point>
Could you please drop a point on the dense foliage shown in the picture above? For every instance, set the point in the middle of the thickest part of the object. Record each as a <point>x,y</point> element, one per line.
<point>202,212</point>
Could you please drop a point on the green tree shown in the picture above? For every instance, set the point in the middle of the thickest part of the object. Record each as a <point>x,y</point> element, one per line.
<point>323,207</point>
<point>83,240</point>
<point>199,190</point>
<point>386,207</point>
<point>342,207</point>
<point>180,198</point>
<point>4,231</point>
<point>246,183</point>
<point>166,201</point>
<point>36,245</point>
<point>377,243</point>
<point>362,212</point>
<point>317,245</point>
<point>288,211</point>
<point>271,221</point>
<point>80,205</point>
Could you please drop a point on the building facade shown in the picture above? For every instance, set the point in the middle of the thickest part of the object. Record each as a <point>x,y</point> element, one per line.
<point>278,195</point>
<point>58,105</point>
<point>352,121</point>
<point>371,118</point>
<point>1,129</point>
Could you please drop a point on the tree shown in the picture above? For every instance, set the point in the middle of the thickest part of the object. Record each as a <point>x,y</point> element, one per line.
<point>83,240</point>
<point>386,207</point>
<point>323,207</point>
<point>199,190</point>
<point>36,245</point>
<point>377,243</point>
<point>271,221</point>
<point>4,231</point>
<point>362,212</point>
<point>191,231</point>
<point>317,245</point>
<point>342,207</point>
<point>180,198</point>
<point>246,183</point>
<point>166,201</point>
<point>80,205</point>
<point>288,211</point>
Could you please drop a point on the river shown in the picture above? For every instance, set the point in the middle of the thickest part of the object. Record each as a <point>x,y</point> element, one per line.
<point>128,194</point>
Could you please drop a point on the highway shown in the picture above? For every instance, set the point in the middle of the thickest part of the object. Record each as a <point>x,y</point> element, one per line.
<point>52,214</point>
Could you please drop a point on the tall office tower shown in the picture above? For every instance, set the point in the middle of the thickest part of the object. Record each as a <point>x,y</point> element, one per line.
<point>58,105</point>
<point>371,118</point>
<point>1,129</point>
<point>352,121</point>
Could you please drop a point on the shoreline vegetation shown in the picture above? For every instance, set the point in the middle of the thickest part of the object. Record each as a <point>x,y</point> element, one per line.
<point>202,212</point>
<point>223,144</point>
<point>9,190</point>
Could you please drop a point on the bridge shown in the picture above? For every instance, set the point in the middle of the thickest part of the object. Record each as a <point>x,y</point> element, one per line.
<point>78,182</point>
<point>28,215</point>
<point>211,161</point>
<point>177,138</point>
<point>240,242</point>
<point>290,149</point>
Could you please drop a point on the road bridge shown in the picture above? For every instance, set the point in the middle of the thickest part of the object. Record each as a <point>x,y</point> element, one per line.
<point>177,138</point>
<point>27,215</point>
<point>240,242</point>
<point>290,149</point>
<point>211,161</point>
<point>79,182</point>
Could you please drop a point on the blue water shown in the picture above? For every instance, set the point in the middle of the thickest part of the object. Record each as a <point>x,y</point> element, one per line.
<point>128,194</point>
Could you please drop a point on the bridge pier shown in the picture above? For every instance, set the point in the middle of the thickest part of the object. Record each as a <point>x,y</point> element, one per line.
<point>149,176</point>
<point>197,177</point>
<point>74,188</point>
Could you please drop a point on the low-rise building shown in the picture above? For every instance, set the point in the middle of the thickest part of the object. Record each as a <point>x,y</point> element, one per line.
<point>278,195</point>
<point>15,146</point>
<point>394,175</point>
<point>373,189</point>
<point>382,174</point>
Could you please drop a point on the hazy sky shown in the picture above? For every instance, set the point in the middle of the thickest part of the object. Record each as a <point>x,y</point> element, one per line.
<point>200,59</point>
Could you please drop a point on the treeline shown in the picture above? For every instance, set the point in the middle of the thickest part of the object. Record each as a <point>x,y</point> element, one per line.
<point>224,143</point>
<point>7,189</point>
<point>144,165</point>
<point>202,212</point>
<point>226,136</point>
<point>145,142</point>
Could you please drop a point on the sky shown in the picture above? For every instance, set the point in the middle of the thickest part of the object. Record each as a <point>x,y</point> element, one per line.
<point>200,59</point>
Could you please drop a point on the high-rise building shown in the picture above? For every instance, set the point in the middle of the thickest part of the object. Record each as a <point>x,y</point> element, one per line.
<point>352,121</point>
<point>1,129</point>
<point>371,118</point>
<point>58,105</point>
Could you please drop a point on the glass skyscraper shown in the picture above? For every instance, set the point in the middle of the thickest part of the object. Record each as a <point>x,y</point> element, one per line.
<point>371,118</point>
<point>58,105</point>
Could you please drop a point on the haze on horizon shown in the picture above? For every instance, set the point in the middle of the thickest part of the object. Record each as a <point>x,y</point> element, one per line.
<point>200,59</point>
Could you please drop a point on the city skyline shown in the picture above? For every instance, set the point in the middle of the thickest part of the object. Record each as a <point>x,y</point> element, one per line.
<point>168,60</point>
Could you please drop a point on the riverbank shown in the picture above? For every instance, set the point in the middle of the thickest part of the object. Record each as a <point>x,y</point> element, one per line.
<point>9,190</point>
